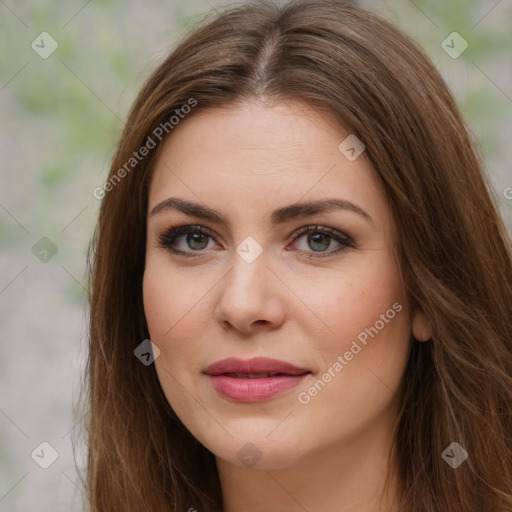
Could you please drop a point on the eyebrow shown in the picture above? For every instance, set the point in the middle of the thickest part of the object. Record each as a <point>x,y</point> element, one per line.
<point>279,216</point>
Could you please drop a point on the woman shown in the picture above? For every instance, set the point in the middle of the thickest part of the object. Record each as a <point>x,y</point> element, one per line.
<point>297,220</point>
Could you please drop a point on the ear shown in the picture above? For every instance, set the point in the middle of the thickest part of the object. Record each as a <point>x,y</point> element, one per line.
<point>421,327</point>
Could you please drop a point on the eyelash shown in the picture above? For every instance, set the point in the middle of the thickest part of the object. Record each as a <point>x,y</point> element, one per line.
<point>167,239</point>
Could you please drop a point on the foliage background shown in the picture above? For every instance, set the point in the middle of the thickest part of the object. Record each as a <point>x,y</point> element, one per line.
<point>60,120</point>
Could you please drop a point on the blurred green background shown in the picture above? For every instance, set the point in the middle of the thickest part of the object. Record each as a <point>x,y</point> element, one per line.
<point>60,120</point>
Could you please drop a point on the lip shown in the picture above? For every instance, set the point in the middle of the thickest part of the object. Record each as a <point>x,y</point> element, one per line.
<point>253,389</point>
<point>255,365</point>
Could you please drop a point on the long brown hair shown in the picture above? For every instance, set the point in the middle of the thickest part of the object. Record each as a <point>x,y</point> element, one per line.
<point>453,251</point>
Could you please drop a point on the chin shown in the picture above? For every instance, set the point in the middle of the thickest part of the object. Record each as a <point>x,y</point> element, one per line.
<point>258,456</point>
<point>250,445</point>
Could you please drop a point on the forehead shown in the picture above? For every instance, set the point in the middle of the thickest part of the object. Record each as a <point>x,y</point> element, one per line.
<point>256,157</point>
<point>290,134</point>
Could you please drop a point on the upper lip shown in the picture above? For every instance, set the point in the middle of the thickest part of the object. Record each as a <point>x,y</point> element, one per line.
<point>255,365</point>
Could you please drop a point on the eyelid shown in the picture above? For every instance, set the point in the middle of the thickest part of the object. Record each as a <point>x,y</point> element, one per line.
<point>313,228</point>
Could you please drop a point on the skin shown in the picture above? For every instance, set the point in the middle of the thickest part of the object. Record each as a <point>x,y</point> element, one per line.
<point>330,454</point>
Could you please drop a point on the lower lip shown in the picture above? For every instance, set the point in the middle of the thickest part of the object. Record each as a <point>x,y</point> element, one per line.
<point>254,390</point>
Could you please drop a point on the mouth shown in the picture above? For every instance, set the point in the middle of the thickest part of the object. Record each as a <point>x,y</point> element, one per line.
<point>254,380</point>
<point>254,375</point>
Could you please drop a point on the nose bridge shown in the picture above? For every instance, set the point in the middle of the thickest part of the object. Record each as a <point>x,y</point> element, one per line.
<point>249,268</point>
<point>247,296</point>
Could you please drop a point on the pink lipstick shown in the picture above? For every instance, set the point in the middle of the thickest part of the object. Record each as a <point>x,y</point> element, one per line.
<point>254,380</point>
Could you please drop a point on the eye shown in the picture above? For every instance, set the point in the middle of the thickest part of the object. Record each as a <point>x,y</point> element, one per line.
<point>320,238</point>
<point>186,240</point>
<point>196,239</point>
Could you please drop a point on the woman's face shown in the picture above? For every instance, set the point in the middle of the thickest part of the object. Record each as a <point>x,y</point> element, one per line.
<point>330,301</point>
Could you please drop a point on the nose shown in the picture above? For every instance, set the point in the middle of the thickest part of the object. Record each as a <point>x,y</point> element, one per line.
<point>250,298</point>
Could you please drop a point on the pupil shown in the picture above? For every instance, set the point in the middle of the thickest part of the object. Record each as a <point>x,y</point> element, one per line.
<point>315,238</point>
<point>196,237</point>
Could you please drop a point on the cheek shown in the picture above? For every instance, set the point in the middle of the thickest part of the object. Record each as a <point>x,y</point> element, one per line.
<point>359,380</point>
<point>354,299</point>
<point>176,315</point>
<point>365,358</point>
<point>369,328</point>
<point>176,321</point>
<point>170,299</point>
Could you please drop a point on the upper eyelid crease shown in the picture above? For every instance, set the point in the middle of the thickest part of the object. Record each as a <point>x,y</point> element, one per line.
<point>279,216</point>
